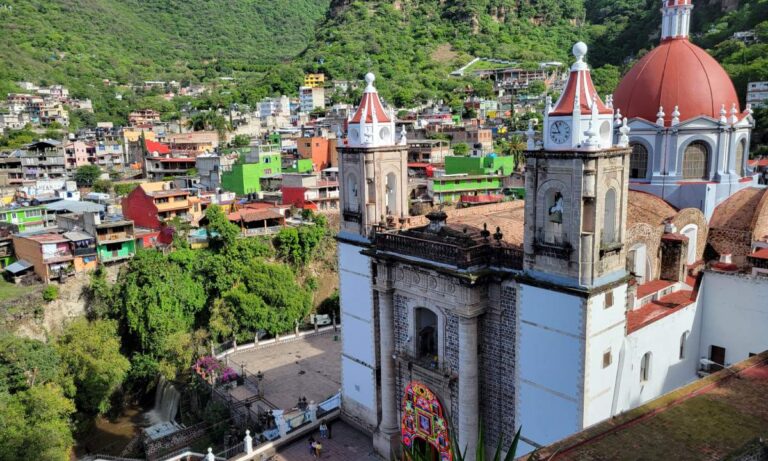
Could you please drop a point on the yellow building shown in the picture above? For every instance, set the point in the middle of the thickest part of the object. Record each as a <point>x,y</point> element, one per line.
<point>314,80</point>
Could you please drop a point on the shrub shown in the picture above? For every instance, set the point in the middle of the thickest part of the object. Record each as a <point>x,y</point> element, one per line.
<point>50,293</point>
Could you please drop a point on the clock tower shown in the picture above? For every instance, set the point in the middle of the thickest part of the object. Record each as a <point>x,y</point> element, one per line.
<point>579,120</point>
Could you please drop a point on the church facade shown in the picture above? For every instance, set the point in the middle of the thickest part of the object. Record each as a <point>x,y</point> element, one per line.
<point>587,299</point>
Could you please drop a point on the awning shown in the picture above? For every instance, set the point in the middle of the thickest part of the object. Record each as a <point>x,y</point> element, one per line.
<point>18,267</point>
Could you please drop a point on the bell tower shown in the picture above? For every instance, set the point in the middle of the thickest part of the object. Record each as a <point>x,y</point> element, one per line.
<point>577,185</point>
<point>373,173</point>
<point>374,167</point>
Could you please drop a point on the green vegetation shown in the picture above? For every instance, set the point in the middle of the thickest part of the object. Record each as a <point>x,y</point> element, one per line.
<point>10,290</point>
<point>87,175</point>
<point>102,185</point>
<point>50,293</point>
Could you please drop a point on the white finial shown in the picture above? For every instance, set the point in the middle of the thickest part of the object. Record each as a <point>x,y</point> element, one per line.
<point>617,118</point>
<point>660,116</point>
<point>749,110</point>
<point>591,135</point>
<point>531,136</point>
<point>548,107</point>
<point>723,113</point>
<point>580,50</point>
<point>210,456</point>
<point>403,140</point>
<point>595,113</point>
<point>624,130</point>
<point>734,113</point>
<point>369,79</point>
<point>675,116</point>
<point>609,101</point>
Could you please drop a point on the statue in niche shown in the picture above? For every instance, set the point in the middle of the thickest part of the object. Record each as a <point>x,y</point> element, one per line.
<point>556,210</point>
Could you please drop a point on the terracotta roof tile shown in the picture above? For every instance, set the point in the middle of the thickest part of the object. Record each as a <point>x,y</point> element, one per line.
<point>658,309</point>
<point>647,208</point>
<point>738,211</point>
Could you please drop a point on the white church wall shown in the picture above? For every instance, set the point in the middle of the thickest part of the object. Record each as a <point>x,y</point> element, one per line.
<point>358,384</point>
<point>734,315</point>
<point>550,367</point>
<point>667,370</point>
<point>605,335</point>
<point>358,360</point>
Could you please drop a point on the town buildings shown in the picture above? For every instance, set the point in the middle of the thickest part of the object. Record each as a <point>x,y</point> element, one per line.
<point>310,192</point>
<point>246,174</point>
<point>311,97</point>
<point>153,204</point>
<point>757,94</point>
<point>592,296</point>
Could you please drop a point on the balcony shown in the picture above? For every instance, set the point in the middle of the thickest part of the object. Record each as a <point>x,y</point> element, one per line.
<point>481,254</point>
<point>114,237</point>
<point>91,251</point>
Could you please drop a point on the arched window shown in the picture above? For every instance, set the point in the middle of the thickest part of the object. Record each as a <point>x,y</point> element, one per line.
<point>351,193</point>
<point>638,162</point>
<point>609,217</point>
<point>692,232</point>
<point>426,334</point>
<point>683,339</point>
<point>645,367</point>
<point>739,163</point>
<point>637,263</point>
<point>695,161</point>
<point>391,195</point>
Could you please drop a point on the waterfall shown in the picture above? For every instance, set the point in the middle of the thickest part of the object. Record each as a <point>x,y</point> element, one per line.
<point>166,403</point>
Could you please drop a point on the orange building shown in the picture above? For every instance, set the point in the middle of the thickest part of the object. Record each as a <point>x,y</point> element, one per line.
<point>321,151</point>
<point>56,254</point>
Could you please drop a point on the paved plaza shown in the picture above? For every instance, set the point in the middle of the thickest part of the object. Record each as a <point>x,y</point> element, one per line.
<point>346,444</point>
<point>308,367</point>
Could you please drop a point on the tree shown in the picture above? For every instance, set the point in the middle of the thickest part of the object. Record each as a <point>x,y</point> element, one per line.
<point>26,362</point>
<point>460,149</point>
<point>103,186</point>
<point>241,140</point>
<point>155,298</point>
<point>35,424</point>
<point>86,175</point>
<point>91,353</point>
<point>221,232</point>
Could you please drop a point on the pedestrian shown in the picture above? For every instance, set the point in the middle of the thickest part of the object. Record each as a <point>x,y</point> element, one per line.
<point>323,430</point>
<point>318,449</point>
<point>328,430</point>
<point>311,445</point>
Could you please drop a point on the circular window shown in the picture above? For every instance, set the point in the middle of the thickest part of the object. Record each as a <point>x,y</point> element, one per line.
<point>384,134</point>
<point>354,134</point>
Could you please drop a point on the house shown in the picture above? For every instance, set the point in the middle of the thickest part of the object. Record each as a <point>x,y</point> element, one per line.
<point>210,168</point>
<point>115,237</point>
<point>310,192</point>
<point>56,253</point>
<point>151,204</point>
<point>259,218</point>
<point>11,168</point>
<point>321,150</point>
<point>246,174</point>
<point>24,219</point>
<point>311,98</point>
<point>159,168</point>
<point>471,179</point>
<point>194,143</point>
<point>143,117</point>
<point>428,150</point>
<point>79,154</point>
<point>43,159</point>
<point>314,80</point>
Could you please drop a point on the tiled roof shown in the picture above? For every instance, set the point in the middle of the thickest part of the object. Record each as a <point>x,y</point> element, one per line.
<point>647,208</point>
<point>760,254</point>
<point>511,221</point>
<point>154,146</point>
<point>658,309</point>
<point>737,212</point>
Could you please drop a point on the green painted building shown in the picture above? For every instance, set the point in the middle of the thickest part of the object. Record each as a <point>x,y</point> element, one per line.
<point>487,164</point>
<point>114,251</point>
<point>471,176</point>
<point>302,165</point>
<point>245,175</point>
<point>27,219</point>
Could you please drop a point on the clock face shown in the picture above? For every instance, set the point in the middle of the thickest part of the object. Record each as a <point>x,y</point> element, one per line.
<point>559,132</point>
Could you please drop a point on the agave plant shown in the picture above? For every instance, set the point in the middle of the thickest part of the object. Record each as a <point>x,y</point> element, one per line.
<point>423,452</point>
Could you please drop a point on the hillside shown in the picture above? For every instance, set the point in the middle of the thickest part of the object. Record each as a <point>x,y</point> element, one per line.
<point>79,42</point>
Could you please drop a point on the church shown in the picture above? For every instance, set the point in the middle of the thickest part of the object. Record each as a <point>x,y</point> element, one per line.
<point>637,263</point>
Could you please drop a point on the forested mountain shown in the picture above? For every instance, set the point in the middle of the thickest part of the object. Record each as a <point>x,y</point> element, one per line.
<point>80,42</point>
<point>411,44</point>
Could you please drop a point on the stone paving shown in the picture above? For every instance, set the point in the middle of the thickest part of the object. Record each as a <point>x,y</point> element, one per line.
<point>308,367</point>
<point>346,444</point>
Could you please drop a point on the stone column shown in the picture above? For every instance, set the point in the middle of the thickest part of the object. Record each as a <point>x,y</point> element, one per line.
<point>386,440</point>
<point>469,407</point>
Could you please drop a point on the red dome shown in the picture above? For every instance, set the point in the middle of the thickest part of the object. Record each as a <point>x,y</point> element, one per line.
<point>676,73</point>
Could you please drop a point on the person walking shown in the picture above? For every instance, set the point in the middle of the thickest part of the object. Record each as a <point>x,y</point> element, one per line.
<point>311,445</point>
<point>318,449</point>
<point>323,430</point>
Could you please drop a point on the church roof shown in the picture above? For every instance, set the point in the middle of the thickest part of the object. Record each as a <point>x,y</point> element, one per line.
<point>579,85</point>
<point>370,108</point>
<point>646,208</point>
<point>738,211</point>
